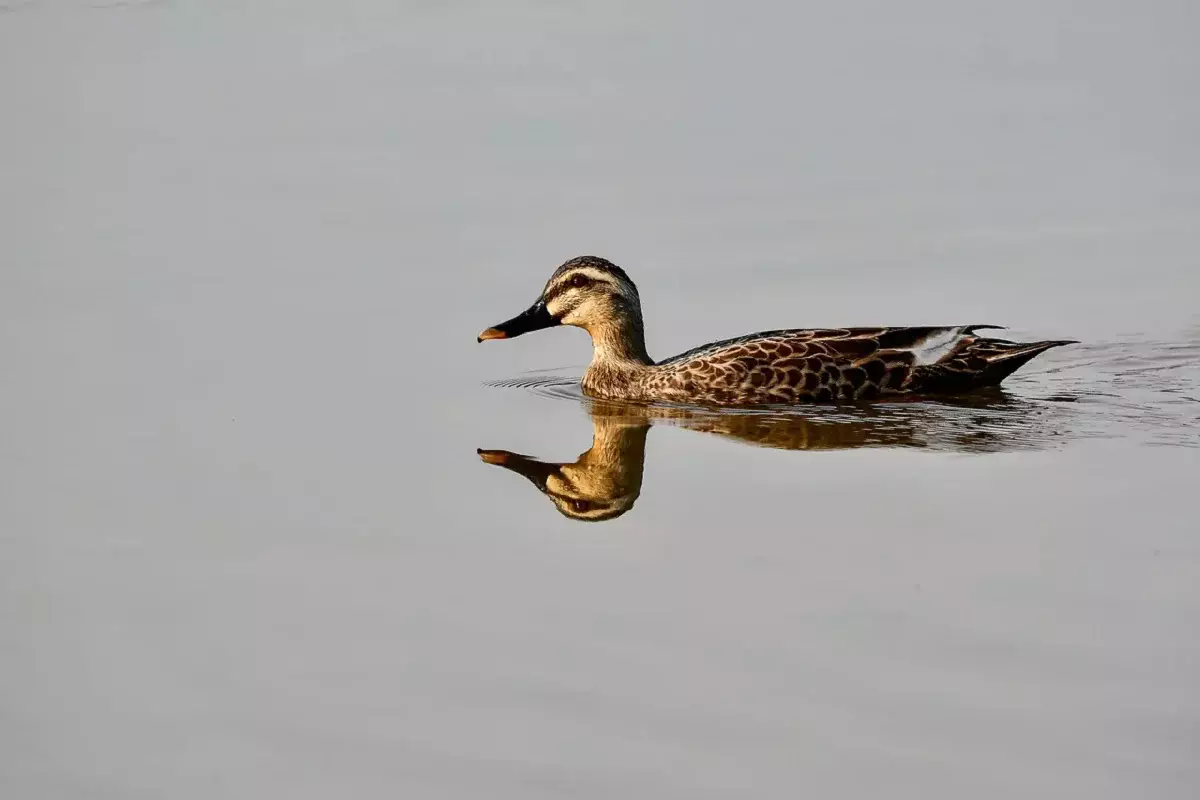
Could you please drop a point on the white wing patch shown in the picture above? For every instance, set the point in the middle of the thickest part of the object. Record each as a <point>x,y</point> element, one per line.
<point>937,345</point>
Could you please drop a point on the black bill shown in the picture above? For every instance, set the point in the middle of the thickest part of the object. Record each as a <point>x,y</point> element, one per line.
<point>534,318</point>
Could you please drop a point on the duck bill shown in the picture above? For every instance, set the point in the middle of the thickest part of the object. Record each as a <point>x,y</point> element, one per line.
<point>533,318</point>
<point>537,472</point>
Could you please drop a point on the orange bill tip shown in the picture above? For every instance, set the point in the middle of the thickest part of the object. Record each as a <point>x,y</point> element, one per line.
<point>493,333</point>
<point>497,457</point>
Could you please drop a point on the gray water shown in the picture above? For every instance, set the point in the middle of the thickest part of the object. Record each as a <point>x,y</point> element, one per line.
<point>248,547</point>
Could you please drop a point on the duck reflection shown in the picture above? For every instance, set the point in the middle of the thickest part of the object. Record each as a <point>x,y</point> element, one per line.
<point>604,481</point>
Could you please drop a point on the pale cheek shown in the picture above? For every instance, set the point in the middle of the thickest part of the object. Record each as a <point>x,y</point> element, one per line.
<point>570,316</point>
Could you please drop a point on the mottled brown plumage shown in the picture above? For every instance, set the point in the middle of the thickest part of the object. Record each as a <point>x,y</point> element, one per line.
<point>770,367</point>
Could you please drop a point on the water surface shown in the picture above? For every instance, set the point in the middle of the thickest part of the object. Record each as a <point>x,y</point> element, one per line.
<point>250,547</point>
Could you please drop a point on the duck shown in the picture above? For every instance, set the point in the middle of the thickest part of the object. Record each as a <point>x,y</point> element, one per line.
<point>774,367</point>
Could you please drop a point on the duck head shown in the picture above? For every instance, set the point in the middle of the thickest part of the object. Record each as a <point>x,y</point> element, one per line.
<point>602,484</point>
<point>587,292</point>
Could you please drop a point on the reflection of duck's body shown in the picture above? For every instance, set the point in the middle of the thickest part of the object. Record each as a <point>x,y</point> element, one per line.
<point>784,366</point>
<point>604,481</point>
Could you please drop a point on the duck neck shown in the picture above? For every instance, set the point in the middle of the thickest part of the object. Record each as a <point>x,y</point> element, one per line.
<point>616,457</point>
<point>618,445</point>
<point>619,344</point>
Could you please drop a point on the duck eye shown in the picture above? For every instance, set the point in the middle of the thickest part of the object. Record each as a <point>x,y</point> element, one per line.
<point>581,506</point>
<point>579,281</point>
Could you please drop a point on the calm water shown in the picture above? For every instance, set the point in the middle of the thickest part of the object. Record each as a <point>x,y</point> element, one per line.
<point>272,524</point>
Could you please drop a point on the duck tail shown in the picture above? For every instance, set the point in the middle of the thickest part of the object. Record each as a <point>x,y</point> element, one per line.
<point>980,363</point>
<point>1008,361</point>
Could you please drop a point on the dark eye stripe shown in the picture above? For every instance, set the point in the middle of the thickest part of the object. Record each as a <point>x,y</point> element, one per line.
<point>577,281</point>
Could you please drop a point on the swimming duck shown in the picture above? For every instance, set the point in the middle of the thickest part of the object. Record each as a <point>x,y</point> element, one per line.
<point>769,367</point>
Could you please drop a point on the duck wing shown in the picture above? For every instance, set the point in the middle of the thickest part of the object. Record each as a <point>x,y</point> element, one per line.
<point>934,360</point>
<point>845,363</point>
<point>927,343</point>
